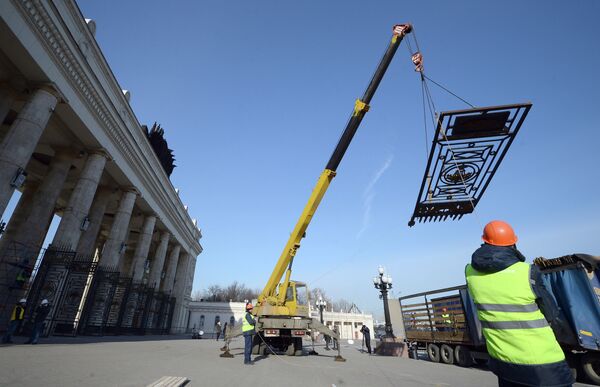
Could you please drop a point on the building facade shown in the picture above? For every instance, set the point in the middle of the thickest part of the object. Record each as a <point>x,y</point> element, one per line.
<point>204,316</point>
<point>125,249</point>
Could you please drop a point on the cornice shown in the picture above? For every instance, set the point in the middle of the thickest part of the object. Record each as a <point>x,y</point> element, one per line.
<point>119,125</point>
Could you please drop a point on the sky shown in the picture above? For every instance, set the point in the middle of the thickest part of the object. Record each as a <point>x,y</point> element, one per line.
<point>253,96</point>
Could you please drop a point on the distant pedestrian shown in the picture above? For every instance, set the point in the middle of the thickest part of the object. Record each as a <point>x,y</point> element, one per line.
<point>248,323</point>
<point>218,329</point>
<point>224,330</point>
<point>41,312</point>
<point>16,319</point>
<point>366,337</point>
<point>335,341</point>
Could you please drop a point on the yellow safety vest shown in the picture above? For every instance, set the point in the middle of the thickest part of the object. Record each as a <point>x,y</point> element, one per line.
<point>246,326</point>
<point>17,313</point>
<point>446,318</point>
<point>515,329</point>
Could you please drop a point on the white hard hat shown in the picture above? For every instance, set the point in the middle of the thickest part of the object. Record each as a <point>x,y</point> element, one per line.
<point>22,301</point>
<point>44,302</point>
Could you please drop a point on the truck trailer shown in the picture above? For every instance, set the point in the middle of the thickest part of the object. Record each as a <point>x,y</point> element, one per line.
<point>444,322</point>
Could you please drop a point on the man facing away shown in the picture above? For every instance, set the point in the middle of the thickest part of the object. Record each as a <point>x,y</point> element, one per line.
<point>41,312</point>
<point>515,310</point>
<point>366,336</point>
<point>16,318</point>
<point>248,323</point>
<point>218,329</point>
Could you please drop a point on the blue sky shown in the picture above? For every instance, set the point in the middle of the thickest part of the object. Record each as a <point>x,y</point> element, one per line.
<point>253,96</point>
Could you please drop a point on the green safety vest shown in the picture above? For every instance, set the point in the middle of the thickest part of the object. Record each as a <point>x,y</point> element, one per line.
<point>246,326</point>
<point>446,318</point>
<point>515,329</point>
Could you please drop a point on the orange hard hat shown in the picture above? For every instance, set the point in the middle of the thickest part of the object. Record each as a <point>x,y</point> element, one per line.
<point>249,306</point>
<point>499,233</point>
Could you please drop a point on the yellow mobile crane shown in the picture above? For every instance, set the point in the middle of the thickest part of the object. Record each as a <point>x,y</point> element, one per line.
<point>282,306</point>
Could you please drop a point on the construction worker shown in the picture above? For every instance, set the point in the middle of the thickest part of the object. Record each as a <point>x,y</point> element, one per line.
<point>446,320</point>
<point>516,313</point>
<point>16,319</point>
<point>248,323</point>
<point>41,312</point>
<point>218,329</point>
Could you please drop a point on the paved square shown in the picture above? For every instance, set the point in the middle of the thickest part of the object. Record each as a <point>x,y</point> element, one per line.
<point>138,361</point>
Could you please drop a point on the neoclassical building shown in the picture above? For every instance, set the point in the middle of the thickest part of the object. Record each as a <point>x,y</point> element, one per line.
<point>203,315</point>
<point>124,254</point>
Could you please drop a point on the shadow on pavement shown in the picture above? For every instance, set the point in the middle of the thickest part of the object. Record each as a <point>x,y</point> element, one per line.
<point>20,340</point>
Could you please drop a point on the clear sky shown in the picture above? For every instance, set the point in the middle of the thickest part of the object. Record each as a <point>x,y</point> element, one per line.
<point>253,96</point>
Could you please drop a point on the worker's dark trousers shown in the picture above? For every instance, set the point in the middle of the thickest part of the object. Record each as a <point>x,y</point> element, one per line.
<point>368,343</point>
<point>506,383</point>
<point>12,327</point>
<point>247,348</point>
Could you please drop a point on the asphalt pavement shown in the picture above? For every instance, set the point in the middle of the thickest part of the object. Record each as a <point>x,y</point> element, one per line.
<point>141,360</point>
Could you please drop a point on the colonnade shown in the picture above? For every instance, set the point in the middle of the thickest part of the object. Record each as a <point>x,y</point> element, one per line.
<point>78,176</point>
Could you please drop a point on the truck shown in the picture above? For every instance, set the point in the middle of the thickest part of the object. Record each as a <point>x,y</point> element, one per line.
<point>444,323</point>
<point>282,308</point>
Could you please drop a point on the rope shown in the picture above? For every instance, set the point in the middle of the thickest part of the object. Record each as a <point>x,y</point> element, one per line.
<point>432,110</point>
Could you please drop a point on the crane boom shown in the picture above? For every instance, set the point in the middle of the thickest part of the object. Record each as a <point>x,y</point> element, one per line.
<point>293,244</point>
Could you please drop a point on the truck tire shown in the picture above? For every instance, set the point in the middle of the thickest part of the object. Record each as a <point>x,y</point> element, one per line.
<point>298,347</point>
<point>290,349</point>
<point>447,354</point>
<point>433,351</point>
<point>590,364</point>
<point>462,356</point>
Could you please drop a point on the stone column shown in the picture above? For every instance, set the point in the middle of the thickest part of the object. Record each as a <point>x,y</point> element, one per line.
<point>87,242</point>
<point>69,230</point>
<point>167,284</point>
<point>179,285</point>
<point>143,246</point>
<point>159,260</point>
<point>33,231</point>
<point>113,248</point>
<point>22,137</point>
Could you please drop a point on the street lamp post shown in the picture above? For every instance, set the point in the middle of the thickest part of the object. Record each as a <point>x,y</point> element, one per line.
<point>321,304</point>
<point>383,283</point>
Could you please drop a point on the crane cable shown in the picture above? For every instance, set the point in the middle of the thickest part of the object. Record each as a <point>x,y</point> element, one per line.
<point>416,58</point>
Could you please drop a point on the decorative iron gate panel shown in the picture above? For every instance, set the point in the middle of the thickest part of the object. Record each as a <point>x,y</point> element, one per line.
<point>68,307</point>
<point>99,301</point>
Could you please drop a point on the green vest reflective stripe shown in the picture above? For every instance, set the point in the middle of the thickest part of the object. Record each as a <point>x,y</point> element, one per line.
<point>514,328</point>
<point>246,326</point>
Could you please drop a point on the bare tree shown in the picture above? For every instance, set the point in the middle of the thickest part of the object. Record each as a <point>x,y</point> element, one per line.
<point>341,305</point>
<point>198,295</point>
<point>234,292</point>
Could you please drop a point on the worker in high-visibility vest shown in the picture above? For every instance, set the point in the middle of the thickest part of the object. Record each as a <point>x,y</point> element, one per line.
<point>248,323</point>
<point>16,318</point>
<point>508,294</point>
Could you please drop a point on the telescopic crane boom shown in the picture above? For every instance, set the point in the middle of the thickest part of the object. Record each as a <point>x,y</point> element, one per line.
<point>274,293</point>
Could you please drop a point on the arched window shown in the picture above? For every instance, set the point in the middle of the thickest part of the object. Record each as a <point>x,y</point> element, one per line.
<point>217,319</point>
<point>231,321</point>
<point>202,321</point>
